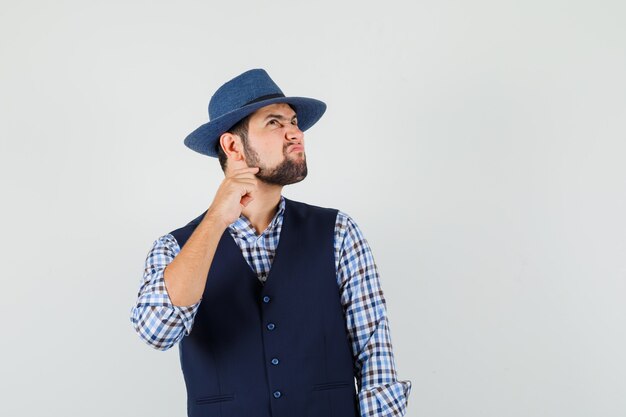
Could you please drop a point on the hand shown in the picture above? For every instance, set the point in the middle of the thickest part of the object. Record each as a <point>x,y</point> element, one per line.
<point>234,193</point>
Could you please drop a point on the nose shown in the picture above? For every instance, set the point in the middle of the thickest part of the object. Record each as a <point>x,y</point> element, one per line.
<point>294,134</point>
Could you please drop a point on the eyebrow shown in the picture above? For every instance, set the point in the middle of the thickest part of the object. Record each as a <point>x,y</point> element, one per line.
<point>279,117</point>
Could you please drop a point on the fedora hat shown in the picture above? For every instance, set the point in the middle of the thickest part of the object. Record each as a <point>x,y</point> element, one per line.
<point>242,96</point>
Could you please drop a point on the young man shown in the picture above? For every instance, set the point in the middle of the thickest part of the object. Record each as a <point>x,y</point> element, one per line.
<point>276,305</point>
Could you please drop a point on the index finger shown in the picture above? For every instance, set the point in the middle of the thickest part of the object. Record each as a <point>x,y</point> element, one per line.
<point>244,170</point>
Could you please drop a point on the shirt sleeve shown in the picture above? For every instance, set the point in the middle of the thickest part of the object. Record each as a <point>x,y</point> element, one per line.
<point>380,392</point>
<point>155,319</point>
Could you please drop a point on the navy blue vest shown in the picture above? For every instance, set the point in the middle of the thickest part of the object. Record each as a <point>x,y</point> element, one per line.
<point>278,349</point>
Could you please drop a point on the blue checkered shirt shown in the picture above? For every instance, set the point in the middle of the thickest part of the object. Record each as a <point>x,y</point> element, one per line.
<point>162,324</point>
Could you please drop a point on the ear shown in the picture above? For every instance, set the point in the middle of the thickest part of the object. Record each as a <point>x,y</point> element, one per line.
<point>232,146</point>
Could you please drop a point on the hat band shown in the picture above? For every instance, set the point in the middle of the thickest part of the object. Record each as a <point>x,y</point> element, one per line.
<point>265,97</point>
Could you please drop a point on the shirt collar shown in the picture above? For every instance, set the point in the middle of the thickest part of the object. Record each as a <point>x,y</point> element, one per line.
<point>244,229</point>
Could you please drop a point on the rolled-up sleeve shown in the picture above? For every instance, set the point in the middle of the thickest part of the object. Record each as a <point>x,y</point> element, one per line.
<point>155,319</point>
<point>381,394</point>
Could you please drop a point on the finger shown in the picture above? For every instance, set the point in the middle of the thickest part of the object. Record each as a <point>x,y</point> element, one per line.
<point>247,189</point>
<point>247,184</point>
<point>246,199</point>
<point>244,170</point>
<point>244,175</point>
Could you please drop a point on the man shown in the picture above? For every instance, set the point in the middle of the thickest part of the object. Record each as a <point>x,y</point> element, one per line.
<point>276,305</point>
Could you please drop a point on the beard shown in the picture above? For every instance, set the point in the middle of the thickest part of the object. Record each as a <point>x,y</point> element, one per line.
<point>289,171</point>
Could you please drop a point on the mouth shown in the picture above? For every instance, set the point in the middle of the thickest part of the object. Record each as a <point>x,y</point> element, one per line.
<point>296,148</point>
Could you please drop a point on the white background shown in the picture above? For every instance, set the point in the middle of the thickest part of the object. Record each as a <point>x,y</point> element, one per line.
<point>480,145</point>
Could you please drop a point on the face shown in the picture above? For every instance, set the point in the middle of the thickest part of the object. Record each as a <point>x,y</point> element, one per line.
<point>276,145</point>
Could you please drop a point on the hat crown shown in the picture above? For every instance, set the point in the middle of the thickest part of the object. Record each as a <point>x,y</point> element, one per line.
<point>241,90</point>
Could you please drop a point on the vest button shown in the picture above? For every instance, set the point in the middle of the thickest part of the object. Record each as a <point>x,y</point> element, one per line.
<point>275,361</point>
<point>271,326</point>
<point>277,394</point>
<point>266,299</point>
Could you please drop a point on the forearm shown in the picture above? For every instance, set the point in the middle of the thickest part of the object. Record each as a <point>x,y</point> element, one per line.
<point>185,277</point>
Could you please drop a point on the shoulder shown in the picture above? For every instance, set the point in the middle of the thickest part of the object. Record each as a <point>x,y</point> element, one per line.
<point>347,227</point>
<point>167,241</point>
<point>344,223</point>
<point>299,206</point>
<point>350,241</point>
<point>310,213</point>
<point>163,248</point>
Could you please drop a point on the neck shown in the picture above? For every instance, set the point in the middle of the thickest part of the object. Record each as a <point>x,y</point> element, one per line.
<point>262,209</point>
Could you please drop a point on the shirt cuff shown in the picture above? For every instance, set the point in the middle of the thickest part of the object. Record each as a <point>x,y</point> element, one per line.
<point>385,400</point>
<point>187,315</point>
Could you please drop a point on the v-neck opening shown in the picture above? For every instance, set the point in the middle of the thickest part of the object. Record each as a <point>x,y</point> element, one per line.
<point>281,236</point>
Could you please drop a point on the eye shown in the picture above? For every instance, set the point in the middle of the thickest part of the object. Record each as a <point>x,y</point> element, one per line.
<point>273,122</point>
<point>294,121</point>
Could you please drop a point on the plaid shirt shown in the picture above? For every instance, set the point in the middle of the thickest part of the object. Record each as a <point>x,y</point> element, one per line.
<point>162,324</point>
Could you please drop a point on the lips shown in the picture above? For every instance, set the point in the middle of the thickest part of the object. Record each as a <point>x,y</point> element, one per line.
<point>296,148</point>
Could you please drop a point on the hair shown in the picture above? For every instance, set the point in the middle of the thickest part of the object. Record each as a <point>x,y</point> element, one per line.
<point>240,129</point>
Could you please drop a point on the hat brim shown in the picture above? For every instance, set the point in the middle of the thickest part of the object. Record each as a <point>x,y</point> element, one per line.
<point>204,139</point>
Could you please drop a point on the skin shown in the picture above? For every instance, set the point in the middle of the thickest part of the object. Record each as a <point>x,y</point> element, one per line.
<point>273,137</point>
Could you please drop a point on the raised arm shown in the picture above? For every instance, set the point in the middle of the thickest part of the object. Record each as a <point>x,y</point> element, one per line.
<point>174,279</point>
